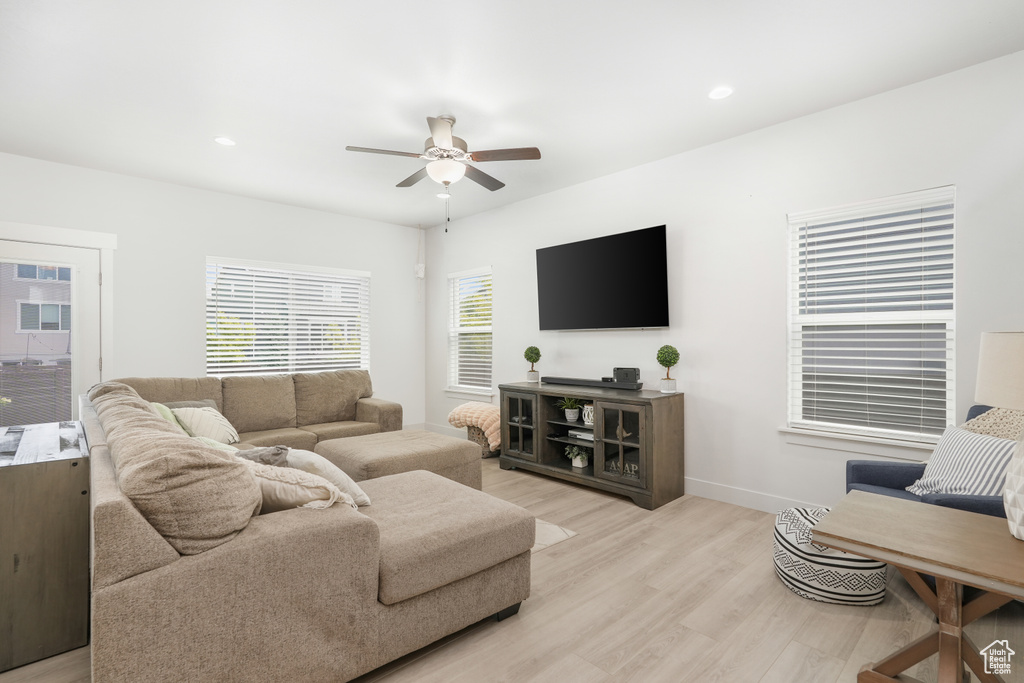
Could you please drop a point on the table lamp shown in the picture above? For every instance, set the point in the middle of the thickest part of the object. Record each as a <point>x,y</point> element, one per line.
<point>1000,384</point>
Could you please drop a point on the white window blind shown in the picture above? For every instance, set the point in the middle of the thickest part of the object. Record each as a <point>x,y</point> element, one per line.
<point>469,330</point>
<point>268,318</point>
<point>871,344</point>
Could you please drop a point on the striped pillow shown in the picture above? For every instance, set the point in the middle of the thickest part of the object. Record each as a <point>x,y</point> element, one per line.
<point>965,463</point>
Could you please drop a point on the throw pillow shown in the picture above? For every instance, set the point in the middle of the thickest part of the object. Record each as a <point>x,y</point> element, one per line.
<point>311,462</point>
<point>999,422</point>
<point>965,463</point>
<point>165,412</point>
<point>268,455</point>
<point>285,488</point>
<point>206,422</point>
<point>216,444</point>
<point>201,403</point>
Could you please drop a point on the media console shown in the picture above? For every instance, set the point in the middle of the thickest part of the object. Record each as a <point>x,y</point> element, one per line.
<point>576,382</point>
<point>635,440</point>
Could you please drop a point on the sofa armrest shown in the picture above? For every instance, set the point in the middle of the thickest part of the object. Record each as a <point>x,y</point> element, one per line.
<point>387,414</point>
<point>985,505</point>
<point>893,475</point>
<point>295,591</point>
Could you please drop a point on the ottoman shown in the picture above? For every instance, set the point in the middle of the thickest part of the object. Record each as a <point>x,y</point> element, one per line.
<point>820,573</point>
<point>378,455</point>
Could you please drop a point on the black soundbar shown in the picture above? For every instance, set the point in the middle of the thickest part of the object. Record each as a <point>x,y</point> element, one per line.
<point>634,386</point>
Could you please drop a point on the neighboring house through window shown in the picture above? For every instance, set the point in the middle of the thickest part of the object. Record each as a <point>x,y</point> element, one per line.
<point>38,317</point>
<point>469,330</point>
<point>265,318</point>
<point>871,343</point>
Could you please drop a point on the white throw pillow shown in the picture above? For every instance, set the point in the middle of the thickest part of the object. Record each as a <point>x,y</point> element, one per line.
<point>314,463</point>
<point>285,488</point>
<point>965,463</point>
<point>206,422</point>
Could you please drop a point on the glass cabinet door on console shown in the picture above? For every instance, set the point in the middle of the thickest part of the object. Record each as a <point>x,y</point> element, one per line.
<point>619,443</point>
<point>519,437</point>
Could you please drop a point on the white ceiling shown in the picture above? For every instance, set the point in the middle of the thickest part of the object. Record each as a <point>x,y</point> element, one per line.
<point>143,87</point>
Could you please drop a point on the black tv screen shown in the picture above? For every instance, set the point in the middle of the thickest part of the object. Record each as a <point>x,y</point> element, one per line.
<point>608,282</point>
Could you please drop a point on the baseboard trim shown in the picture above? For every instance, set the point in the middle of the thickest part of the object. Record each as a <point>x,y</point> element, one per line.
<point>742,497</point>
<point>447,430</point>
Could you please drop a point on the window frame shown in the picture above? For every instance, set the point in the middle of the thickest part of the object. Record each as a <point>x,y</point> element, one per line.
<point>57,272</point>
<point>800,327</point>
<point>39,304</point>
<point>455,360</point>
<point>296,286</point>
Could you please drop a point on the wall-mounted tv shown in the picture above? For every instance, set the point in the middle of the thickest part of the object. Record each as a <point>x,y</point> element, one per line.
<point>617,281</point>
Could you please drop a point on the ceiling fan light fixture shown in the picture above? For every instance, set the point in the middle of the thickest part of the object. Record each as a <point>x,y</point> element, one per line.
<point>446,171</point>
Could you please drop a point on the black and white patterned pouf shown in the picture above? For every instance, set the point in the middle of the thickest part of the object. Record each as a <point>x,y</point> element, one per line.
<point>819,573</point>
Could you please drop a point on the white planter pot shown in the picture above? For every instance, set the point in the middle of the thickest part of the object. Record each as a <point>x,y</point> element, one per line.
<point>579,462</point>
<point>668,386</point>
<point>572,414</point>
<point>533,375</point>
<point>588,414</point>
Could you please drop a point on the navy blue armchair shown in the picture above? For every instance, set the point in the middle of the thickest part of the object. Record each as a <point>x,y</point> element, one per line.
<point>892,479</point>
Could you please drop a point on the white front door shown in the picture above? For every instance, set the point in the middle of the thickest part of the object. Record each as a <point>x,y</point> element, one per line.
<point>49,330</point>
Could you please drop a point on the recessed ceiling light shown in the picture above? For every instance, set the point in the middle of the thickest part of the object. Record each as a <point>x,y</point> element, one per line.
<point>720,93</point>
<point>227,142</point>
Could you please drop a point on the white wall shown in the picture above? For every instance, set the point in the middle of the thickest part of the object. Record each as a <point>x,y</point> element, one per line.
<point>165,232</point>
<point>725,206</point>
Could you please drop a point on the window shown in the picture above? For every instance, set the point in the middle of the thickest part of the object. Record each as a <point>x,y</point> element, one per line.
<point>268,318</point>
<point>30,272</point>
<point>34,317</point>
<point>469,330</point>
<point>871,317</point>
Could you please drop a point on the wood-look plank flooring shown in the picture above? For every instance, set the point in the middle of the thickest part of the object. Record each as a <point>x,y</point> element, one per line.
<point>683,593</point>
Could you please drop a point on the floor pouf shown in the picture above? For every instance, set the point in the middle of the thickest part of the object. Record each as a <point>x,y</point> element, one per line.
<point>819,573</point>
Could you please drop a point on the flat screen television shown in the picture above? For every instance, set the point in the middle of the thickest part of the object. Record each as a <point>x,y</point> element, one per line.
<point>617,281</point>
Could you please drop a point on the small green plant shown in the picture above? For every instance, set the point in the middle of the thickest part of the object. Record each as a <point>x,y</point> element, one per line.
<point>577,452</point>
<point>532,355</point>
<point>569,403</point>
<point>668,356</point>
<point>4,401</point>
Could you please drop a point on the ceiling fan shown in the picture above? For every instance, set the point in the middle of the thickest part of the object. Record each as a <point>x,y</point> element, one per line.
<point>447,156</point>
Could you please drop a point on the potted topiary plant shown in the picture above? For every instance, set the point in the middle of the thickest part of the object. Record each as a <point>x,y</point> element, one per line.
<point>571,406</point>
<point>668,356</point>
<point>532,355</point>
<point>579,455</point>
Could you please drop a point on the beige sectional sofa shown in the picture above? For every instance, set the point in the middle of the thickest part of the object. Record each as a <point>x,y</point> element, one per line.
<point>296,410</point>
<point>189,585</point>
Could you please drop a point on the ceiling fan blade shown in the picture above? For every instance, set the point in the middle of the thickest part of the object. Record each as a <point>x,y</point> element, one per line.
<point>481,178</point>
<point>383,151</point>
<point>441,131</point>
<point>506,154</point>
<point>414,178</point>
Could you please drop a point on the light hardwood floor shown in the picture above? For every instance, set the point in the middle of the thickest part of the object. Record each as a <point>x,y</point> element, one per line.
<point>683,593</point>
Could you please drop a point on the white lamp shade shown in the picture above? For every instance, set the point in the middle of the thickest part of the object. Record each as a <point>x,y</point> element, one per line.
<point>446,170</point>
<point>1001,370</point>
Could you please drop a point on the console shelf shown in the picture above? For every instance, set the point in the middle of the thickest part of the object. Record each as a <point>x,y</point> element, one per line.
<point>637,449</point>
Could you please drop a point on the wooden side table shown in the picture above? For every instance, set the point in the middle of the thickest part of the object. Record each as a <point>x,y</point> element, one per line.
<point>44,541</point>
<point>958,548</point>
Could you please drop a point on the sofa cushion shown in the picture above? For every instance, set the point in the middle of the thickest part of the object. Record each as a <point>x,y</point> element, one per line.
<point>259,403</point>
<point>291,437</point>
<point>340,430</point>
<point>434,531</point>
<point>173,389</point>
<point>196,497</point>
<point>329,396</point>
<point>378,455</point>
